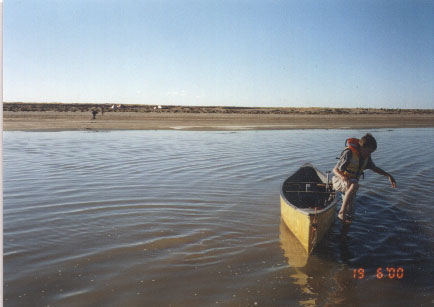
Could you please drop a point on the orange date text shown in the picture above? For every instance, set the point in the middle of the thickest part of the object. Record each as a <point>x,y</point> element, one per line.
<point>382,273</point>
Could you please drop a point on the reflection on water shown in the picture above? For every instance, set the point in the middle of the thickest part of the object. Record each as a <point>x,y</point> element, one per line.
<point>295,253</point>
<point>118,218</point>
<point>297,258</point>
<point>321,282</point>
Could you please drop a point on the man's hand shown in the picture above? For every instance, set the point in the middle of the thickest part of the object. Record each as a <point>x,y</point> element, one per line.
<point>392,181</point>
<point>381,172</point>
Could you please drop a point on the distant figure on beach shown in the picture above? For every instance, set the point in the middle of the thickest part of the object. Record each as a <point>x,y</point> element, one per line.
<point>355,158</point>
<point>102,110</point>
<point>94,113</point>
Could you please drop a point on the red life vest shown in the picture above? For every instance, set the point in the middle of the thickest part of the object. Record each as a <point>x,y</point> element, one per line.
<point>354,168</point>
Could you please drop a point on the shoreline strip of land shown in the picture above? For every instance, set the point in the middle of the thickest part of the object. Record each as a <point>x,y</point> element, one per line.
<point>58,117</point>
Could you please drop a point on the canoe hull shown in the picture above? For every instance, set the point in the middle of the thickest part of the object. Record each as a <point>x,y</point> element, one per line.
<point>297,222</point>
<point>308,225</point>
<point>301,224</point>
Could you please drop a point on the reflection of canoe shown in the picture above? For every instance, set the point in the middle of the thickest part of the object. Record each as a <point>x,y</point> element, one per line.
<point>307,205</point>
<point>294,252</point>
<point>297,258</point>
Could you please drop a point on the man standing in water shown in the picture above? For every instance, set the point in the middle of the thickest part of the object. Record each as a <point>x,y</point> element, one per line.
<point>355,158</point>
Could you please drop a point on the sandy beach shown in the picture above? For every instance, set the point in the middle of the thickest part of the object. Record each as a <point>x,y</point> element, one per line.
<point>57,117</point>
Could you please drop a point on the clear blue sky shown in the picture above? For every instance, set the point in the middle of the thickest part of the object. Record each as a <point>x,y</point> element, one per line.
<point>366,53</point>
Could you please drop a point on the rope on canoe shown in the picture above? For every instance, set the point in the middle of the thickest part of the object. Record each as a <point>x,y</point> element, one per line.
<point>314,226</point>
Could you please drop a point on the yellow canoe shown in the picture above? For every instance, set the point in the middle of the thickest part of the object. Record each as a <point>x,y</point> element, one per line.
<point>308,205</point>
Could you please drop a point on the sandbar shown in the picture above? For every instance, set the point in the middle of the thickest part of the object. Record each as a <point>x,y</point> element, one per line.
<point>76,121</point>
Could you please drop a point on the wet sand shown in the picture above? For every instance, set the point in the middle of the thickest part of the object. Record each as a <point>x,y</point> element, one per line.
<point>125,120</point>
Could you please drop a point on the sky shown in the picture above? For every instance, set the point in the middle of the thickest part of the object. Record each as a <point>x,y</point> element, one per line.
<point>269,53</point>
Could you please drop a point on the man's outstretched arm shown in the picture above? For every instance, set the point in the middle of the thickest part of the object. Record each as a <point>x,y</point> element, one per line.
<point>384,173</point>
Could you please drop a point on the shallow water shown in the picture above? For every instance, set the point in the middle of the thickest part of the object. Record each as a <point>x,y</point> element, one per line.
<point>179,218</point>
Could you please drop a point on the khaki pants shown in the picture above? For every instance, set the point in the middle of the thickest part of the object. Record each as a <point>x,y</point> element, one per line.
<point>342,186</point>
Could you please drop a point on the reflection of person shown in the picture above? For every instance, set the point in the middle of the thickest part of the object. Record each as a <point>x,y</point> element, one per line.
<point>355,158</point>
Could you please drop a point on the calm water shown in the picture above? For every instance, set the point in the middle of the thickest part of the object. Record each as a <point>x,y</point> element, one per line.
<point>173,218</point>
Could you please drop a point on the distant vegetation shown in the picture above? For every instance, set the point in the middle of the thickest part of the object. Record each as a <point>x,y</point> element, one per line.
<point>76,107</point>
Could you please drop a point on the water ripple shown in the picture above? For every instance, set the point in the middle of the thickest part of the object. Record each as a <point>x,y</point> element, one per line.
<point>110,218</point>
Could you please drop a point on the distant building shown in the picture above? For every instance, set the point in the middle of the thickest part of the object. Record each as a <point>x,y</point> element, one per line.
<point>116,107</point>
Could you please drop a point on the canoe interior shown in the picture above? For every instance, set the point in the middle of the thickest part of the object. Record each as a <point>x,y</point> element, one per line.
<point>306,189</point>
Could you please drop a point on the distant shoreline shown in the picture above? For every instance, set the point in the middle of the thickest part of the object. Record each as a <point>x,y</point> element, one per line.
<point>71,117</point>
<point>86,107</point>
